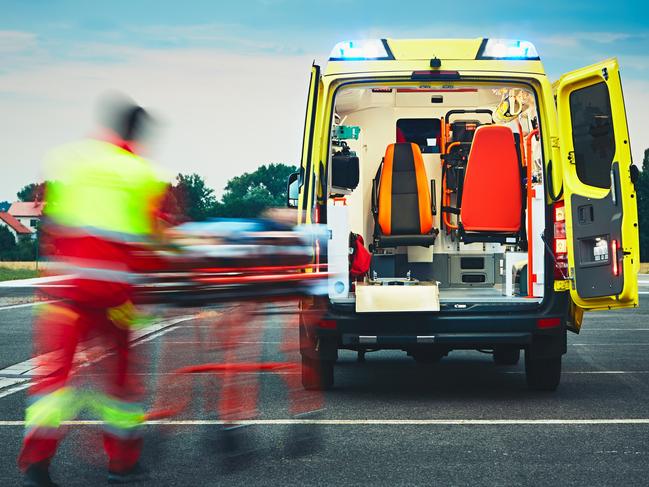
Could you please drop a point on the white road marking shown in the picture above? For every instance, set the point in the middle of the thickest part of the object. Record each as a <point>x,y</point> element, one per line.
<point>141,336</point>
<point>352,422</point>
<point>35,282</point>
<point>618,329</point>
<point>26,305</point>
<point>609,344</point>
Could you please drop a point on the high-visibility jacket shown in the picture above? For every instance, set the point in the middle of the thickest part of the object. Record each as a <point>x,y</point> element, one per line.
<point>102,188</point>
<point>100,205</point>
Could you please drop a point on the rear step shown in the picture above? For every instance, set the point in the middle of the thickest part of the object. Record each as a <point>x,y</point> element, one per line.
<point>396,295</point>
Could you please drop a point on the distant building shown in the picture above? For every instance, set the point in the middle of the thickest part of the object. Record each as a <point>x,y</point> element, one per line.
<point>29,213</point>
<point>16,228</point>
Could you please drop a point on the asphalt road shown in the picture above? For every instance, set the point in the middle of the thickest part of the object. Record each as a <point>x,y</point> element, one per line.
<point>389,421</point>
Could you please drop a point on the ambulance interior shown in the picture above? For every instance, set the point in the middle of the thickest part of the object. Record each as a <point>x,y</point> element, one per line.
<point>448,196</point>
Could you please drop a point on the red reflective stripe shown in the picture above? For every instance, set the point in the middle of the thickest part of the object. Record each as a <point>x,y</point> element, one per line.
<point>260,268</point>
<point>548,323</point>
<point>262,278</point>
<point>430,90</point>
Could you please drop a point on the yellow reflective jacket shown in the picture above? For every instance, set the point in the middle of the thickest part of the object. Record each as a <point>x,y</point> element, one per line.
<point>98,186</point>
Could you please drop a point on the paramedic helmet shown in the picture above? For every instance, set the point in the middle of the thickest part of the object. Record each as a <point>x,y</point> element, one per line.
<point>122,116</point>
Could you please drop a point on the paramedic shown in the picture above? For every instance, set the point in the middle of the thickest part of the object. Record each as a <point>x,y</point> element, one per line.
<point>100,201</point>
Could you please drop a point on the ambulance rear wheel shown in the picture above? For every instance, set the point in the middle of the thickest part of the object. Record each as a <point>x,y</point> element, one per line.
<point>317,375</point>
<point>543,374</point>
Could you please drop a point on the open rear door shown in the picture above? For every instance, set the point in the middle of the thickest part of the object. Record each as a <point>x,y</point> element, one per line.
<point>600,202</point>
<point>305,201</point>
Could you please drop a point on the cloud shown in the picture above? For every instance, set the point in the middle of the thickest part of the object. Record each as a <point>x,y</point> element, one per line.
<point>223,113</point>
<point>223,36</point>
<point>13,41</point>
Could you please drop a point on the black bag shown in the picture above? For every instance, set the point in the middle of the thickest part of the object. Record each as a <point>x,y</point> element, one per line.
<point>344,169</point>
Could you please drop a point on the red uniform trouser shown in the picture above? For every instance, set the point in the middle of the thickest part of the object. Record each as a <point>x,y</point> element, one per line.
<point>58,331</point>
<point>239,333</point>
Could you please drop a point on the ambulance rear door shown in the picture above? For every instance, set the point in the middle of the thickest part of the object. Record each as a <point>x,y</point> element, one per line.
<point>308,165</point>
<point>601,220</point>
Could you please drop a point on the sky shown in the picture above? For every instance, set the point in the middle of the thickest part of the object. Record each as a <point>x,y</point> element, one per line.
<point>228,80</point>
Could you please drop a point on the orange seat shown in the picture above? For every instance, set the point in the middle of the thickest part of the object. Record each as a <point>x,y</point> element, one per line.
<point>492,193</point>
<point>403,211</point>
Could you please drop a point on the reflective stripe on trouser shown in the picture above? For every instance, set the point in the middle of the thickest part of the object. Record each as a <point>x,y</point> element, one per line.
<point>58,331</point>
<point>122,419</point>
<point>43,418</point>
<point>122,431</point>
<point>46,412</point>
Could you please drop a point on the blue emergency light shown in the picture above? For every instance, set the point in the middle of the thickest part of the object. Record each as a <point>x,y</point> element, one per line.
<point>508,49</point>
<point>362,50</point>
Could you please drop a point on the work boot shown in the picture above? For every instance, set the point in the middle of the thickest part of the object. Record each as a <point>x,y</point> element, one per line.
<point>136,474</point>
<point>38,475</point>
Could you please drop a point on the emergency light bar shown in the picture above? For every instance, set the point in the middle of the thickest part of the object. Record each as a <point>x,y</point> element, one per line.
<point>362,50</point>
<point>508,49</point>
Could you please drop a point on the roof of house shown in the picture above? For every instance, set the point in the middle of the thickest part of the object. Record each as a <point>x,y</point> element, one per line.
<point>26,208</point>
<point>14,224</point>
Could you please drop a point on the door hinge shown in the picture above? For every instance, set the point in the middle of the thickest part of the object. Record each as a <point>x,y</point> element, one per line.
<point>605,73</point>
<point>571,157</point>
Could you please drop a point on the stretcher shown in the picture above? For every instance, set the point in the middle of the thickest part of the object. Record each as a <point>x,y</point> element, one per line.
<point>235,260</point>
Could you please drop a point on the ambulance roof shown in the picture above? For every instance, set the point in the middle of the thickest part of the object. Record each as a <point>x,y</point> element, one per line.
<point>389,55</point>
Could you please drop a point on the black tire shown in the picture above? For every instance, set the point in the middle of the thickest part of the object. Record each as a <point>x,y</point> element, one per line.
<point>507,356</point>
<point>317,375</point>
<point>543,374</point>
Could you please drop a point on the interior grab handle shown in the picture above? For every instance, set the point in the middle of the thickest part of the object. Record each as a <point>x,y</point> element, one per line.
<point>433,197</point>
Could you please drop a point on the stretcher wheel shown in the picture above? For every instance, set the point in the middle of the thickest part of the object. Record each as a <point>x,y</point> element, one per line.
<point>317,375</point>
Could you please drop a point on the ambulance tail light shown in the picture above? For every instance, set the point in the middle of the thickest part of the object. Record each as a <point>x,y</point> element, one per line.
<point>545,323</point>
<point>560,241</point>
<point>615,252</point>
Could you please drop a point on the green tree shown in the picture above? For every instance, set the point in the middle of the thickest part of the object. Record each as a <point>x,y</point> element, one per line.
<point>248,195</point>
<point>192,197</point>
<point>4,205</point>
<point>25,248</point>
<point>642,188</point>
<point>7,244</point>
<point>31,192</point>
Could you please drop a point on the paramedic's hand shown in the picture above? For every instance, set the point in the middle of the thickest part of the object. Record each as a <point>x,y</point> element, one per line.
<point>123,316</point>
<point>127,317</point>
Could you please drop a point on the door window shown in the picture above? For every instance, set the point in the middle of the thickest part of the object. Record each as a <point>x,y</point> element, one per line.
<point>422,131</point>
<point>593,137</point>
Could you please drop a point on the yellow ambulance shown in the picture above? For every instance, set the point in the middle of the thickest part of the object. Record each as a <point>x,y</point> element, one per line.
<point>470,203</point>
